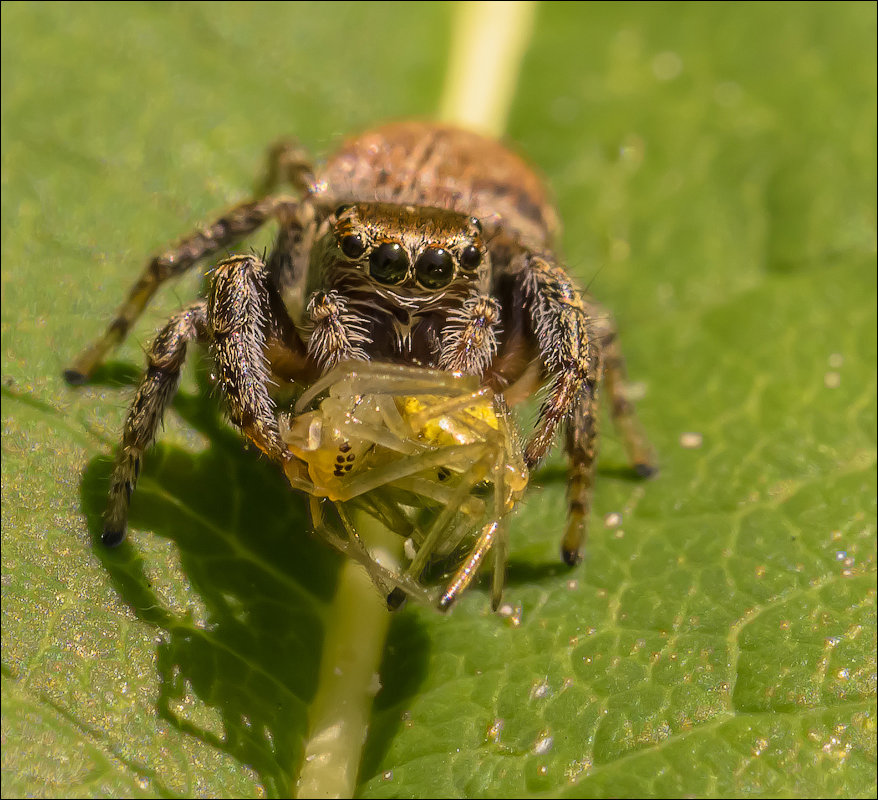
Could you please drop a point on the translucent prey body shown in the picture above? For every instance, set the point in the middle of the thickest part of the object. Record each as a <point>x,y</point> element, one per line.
<point>395,441</point>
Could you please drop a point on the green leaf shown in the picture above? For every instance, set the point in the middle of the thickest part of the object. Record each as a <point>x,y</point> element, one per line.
<point>715,168</point>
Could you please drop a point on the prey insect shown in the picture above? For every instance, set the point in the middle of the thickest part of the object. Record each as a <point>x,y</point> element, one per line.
<point>394,441</point>
<point>416,245</point>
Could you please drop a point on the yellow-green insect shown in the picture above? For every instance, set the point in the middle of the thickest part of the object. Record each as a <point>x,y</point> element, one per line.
<point>394,442</point>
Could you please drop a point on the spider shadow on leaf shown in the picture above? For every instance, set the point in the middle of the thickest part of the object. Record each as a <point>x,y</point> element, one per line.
<point>557,473</point>
<point>116,374</point>
<point>221,563</point>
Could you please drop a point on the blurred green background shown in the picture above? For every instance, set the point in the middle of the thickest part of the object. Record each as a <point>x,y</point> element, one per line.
<point>715,167</point>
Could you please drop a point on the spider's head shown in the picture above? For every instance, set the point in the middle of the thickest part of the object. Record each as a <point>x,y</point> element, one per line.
<point>410,249</point>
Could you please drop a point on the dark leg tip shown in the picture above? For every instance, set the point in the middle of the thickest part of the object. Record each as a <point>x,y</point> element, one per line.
<point>645,470</point>
<point>112,538</point>
<point>74,377</point>
<point>571,557</point>
<point>445,603</point>
<point>396,599</point>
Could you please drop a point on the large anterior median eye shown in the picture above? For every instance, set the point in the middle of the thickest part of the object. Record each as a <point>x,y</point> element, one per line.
<point>388,263</point>
<point>434,268</point>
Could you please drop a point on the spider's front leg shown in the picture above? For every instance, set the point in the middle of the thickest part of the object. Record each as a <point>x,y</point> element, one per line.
<point>242,314</point>
<point>239,318</point>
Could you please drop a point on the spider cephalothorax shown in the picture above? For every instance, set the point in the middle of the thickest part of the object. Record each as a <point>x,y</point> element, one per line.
<point>416,244</point>
<point>393,276</point>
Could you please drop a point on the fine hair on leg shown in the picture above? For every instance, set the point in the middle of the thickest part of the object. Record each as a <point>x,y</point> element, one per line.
<point>164,362</point>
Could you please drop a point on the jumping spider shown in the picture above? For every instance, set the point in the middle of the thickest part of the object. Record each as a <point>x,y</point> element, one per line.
<point>416,244</point>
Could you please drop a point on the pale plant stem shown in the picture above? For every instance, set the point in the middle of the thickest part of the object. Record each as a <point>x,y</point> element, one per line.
<point>348,678</point>
<point>488,44</point>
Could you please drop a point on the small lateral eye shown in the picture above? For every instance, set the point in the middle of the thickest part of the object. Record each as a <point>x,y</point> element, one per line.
<point>388,263</point>
<point>434,268</point>
<point>476,223</point>
<point>352,245</point>
<point>471,257</point>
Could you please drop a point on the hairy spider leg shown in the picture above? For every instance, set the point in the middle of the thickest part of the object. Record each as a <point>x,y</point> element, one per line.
<point>236,223</point>
<point>287,163</point>
<point>578,346</point>
<point>572,356</point>
<point>580,443</point>
<point>164,361</point>
<point>560,323</point>
<point>640,454</point>
<point>239,316</point>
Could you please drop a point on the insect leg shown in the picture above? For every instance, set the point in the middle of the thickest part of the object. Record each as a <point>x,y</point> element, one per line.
<point>455,504</point>
<point>366,377</point>
<point>381,576</point>
<point>239,319</point>
<point>501,543</point>
<point>232,226</point>
<point>164,361</point>
<point>467,571</point>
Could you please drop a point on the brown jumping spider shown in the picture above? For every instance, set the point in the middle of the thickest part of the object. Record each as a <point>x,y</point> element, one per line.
<point>417,244</point>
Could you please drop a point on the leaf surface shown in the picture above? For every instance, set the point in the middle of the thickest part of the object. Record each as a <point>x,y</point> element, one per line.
<point>715,169</point>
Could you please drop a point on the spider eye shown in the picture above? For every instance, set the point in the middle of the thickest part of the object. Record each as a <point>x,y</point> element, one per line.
<point>388,263</point>
<point>471,257</point>
<point>342,208</point>
<point>352,245</point>
<point>476,223</point>
<point>434,268</point>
